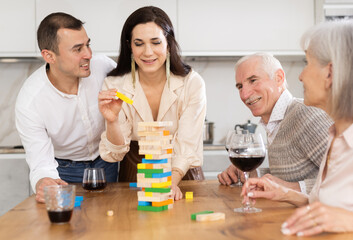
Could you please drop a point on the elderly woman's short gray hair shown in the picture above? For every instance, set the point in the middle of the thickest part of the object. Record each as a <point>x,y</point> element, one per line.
<point>332,42</point>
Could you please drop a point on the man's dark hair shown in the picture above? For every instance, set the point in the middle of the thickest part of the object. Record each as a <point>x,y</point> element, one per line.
<point>47,31</point>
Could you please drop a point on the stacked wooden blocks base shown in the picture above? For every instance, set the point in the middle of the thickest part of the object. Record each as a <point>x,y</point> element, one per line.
<point>154,174</point>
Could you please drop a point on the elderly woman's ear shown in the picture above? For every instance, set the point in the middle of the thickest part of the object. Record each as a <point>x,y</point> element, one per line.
<point>328,79</point>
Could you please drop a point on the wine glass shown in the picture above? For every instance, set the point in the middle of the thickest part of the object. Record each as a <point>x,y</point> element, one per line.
<point>229,136</point>
<point>247,152</point>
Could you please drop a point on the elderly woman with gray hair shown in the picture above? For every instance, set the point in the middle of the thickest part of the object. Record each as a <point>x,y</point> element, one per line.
<point>328,84</point>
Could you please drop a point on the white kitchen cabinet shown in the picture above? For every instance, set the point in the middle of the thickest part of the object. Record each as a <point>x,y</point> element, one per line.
<point>14,181</point>
<point>237,27</point>
<point>17,28</point>
<point>103,19</point>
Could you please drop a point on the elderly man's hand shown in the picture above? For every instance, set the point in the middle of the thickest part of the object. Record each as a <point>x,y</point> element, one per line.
<point>46,182</point>
<point>229,176</point>
<point>316,218</point>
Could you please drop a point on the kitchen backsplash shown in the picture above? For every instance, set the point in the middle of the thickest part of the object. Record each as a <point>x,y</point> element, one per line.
<point>224,106</point>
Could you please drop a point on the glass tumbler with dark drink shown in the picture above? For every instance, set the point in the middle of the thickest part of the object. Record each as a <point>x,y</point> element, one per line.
<point>247,152</point>
<point>94,179</point>
<point>60,201</point>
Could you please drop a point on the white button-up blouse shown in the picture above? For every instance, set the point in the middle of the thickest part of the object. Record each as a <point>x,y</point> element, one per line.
<point>183,103</point>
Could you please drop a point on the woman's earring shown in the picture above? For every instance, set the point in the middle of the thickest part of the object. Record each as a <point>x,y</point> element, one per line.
<point>167,68</point>
<point>133,70</point>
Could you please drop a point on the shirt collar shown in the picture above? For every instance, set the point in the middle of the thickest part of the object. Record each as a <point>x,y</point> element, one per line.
<point>347,135</point>
<point>58,91</point>
<point>280,107</point>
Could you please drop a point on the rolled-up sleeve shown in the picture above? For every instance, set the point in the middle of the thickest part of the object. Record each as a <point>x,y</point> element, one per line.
<point>107,150</point>
<point>188,140</point>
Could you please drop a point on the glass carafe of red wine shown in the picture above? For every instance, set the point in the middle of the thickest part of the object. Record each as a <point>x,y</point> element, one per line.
<point>247,152</point>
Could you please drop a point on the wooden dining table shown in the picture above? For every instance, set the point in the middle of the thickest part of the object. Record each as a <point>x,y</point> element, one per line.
<point>29,219</point>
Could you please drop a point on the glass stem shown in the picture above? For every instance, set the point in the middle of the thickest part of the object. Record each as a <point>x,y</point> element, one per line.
<point>247,204</point>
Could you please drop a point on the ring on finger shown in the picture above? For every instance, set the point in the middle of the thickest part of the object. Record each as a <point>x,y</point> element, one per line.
<point>314,222</point>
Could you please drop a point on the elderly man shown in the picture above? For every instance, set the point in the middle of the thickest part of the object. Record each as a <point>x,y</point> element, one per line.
<point>57,113</point>
<point>297,135</point>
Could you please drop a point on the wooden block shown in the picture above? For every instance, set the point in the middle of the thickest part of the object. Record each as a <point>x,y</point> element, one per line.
<point>152,209</point>
<point>150,133</point>
<point>163,203</point>
<point>161,175</point>
<point>156,124</point>
<point>154,194</point>
<point>189,195</point>
<point>150,128</point>
<point>210,217</point>
<point>155,151</point>
<point>154,161</point>
<point>148,194</point>
<point>144,185</point>
<point>143,203</point>
<point>150,170</point>
<point>153,199</point>
<point>151,180</point>
<point>152,166</point>
<point>161,190</point>
<point>155,138</point>
<point>159,142</point>
<point>124,98</point>
<point>160,185</point>
<point>193,216</point>
<point>157,156</point>
<point>155,147</point>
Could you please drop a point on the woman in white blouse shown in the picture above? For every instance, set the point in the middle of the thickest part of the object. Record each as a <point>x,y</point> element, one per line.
<point>328,84</point>
<point>151,72</point>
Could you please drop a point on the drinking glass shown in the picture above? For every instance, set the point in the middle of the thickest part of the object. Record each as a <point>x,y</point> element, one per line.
<point>59,201</point>
<point>247,152</point>
<point>229,136</point>
<point>94,179</point>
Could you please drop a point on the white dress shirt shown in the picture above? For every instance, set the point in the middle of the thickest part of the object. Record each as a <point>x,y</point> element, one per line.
<point>54,124</point>
<point>277,115</point>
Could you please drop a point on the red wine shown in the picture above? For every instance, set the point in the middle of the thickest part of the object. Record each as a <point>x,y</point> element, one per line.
<point>92,186</point>
<point>60,216</point>
<point>247,163</point>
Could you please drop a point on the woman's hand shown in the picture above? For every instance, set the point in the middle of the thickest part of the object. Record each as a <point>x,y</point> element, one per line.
<point>263,188</point>
<point>109,106</point>
<point>316,218</point>
<point>293,185</point>
<point>176,192</point>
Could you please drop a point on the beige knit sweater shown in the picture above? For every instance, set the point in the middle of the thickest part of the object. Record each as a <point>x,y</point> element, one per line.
<point>300,144</point>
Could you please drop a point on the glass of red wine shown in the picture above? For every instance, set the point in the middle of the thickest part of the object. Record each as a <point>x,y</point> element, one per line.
<point>94,179</point>
<point>229,136</point>
<point>247,152</point>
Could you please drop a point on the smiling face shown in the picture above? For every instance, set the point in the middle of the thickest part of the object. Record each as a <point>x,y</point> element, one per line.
<point>149,47</point>
<point>258,92</point>
<point>316,82</point>
<point>73,60</point>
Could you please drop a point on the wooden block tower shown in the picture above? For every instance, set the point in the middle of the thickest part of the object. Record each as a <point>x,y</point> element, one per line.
<point>154,174</point>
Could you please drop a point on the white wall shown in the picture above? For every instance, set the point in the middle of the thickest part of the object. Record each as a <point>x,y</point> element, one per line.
<point>224,107</point>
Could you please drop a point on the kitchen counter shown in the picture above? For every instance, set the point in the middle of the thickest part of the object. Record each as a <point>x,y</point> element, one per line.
<point>29,220</point>
<point>213,147</point>
<point>7,150</point>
